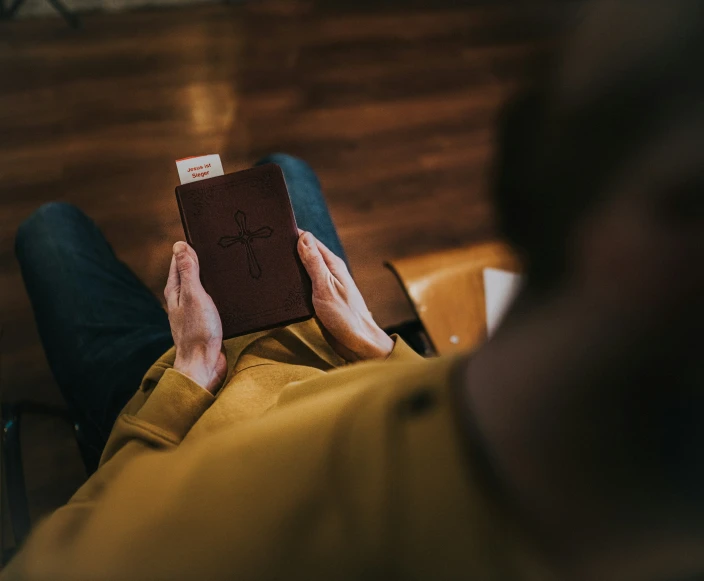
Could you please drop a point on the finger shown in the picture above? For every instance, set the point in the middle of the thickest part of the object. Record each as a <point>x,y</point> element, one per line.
<point>171,291</point>
<point>188,270</point>
<point>193,254</point>
<point>313,262</point>
<point>334,262</point>
<point>301,232</point>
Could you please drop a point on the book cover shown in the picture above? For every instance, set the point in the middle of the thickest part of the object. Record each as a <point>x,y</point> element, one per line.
<point>243,229</point>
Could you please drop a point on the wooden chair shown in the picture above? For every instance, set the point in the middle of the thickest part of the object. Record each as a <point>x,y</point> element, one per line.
<point>446,290</point>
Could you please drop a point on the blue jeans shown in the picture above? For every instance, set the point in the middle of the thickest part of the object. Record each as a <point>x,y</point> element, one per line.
<point>100,326</point>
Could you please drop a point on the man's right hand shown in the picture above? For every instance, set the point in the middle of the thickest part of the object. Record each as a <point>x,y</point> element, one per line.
<point>195,322</point>
<point>340,306</point>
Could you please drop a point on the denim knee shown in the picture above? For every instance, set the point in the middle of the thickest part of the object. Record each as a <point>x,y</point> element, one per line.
<point>43,220</point>
<point>290,165</point>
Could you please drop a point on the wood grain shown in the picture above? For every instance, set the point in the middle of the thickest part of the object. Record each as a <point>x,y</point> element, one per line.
<point>392,103</point>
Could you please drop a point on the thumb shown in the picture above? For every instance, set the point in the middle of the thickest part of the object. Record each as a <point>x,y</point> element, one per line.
<point>313,261</point>
<point>187,267</point>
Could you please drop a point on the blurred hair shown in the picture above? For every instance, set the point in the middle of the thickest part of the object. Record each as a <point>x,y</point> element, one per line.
<point>626,72</point>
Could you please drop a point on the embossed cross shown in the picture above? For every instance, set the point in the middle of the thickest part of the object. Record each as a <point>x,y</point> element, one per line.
<point>246,237</point>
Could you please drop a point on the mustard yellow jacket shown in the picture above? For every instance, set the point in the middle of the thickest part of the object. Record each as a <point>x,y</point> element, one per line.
<point>301,467</point>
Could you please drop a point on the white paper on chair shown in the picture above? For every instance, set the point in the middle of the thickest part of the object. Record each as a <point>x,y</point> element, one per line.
<point>500,288</point>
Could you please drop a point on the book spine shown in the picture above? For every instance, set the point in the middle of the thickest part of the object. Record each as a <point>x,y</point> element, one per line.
<point>303,277</point>
<point>184,222</point>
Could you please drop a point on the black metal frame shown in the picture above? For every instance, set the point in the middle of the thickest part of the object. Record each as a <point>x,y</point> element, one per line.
<point>13,467</point>
<point>7,13</point>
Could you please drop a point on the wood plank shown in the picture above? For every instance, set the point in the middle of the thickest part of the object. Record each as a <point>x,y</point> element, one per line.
<point>391,102</point>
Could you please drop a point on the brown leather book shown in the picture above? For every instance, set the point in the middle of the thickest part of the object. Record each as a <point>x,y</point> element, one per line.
<point>242,227</point>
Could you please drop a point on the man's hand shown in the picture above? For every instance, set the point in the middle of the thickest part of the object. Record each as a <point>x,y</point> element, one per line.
<point>195,323</point>
<point>339,305</point>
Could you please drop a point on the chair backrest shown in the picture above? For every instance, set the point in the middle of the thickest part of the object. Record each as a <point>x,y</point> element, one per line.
<point>446,290</point>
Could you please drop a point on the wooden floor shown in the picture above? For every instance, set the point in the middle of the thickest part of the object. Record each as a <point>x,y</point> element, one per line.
<point>392,103</point>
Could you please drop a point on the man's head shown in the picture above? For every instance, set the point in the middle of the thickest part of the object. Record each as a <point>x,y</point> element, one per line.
<point>600,173</point>
<point>600,187</point>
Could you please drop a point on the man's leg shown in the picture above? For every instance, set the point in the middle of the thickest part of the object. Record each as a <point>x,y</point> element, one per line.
<point>100,326</point>
<point>307,199</point>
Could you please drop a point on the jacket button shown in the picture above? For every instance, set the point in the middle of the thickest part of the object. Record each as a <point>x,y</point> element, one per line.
<point>417,403</point>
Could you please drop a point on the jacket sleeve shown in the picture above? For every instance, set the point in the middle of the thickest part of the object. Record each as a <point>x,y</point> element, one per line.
<point>402,351</point>
<point>155,420</point>
<point>244,502</point>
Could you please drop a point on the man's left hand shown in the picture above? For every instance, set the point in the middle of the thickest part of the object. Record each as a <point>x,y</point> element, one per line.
<point>339,305</point>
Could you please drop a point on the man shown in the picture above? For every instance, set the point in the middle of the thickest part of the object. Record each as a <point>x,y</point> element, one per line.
<point>566,448</point>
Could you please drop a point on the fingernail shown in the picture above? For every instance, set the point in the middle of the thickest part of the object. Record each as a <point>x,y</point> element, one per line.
<point>179,248</point>
<point>308,240</point>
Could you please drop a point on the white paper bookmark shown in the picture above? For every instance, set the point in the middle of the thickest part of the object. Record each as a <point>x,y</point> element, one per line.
<point>192,169</point>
